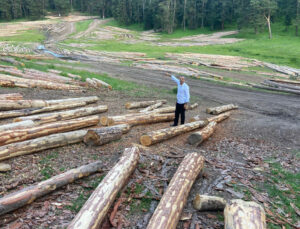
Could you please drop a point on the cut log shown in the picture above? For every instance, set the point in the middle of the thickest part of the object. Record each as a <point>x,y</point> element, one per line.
<point>164,134</point>
<point>286,81</point>
<point>285,90</point>
<point>283,69</point>
<point>7,83</point>
<point>28,56</point>
<point>96,207</point>
<point>142,104</point>
<point>164,110</point>
<point>27,195</point>
<point>64,115</point>
<point>192,106</point>
<point>30,83</point>
<point>221,109</point>
<point>40,144</point>
<point>136,119</point>
<point>32,111</point>
<point>10,136</point>
<point>240,214</point>
<point>16,126</point>
<point>101,136</point>
<point>101,83</point>
<point>198,137</point>
<point>281,85</point>
<point>152,107</point>
<point>209,203</point>
<point>219,118</point>
<point>168,211</point>
<point>12,96</point>
<point>91,83</point>
<point>22,104</point>
<point>54,71</point>
<point>74,76</point>
<point>11,61</point>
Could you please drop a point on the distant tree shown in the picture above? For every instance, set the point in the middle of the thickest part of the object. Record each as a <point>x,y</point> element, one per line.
<point>297,19</point>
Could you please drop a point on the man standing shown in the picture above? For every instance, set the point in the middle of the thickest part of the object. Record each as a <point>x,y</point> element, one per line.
<point>183,98</point>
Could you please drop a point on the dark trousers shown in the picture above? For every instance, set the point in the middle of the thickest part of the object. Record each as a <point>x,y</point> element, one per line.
<point>179,110</point>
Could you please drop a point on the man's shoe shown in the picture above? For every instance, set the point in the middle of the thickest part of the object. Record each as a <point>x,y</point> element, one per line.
<point>173,125</point>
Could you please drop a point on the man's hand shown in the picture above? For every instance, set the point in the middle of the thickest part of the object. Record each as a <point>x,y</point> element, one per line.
<point>168,74</point>
<point>185,106</point>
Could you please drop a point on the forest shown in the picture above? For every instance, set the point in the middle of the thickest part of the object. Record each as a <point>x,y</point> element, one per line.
<point>167,15</point>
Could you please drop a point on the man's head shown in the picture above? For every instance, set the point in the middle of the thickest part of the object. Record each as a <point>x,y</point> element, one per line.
<point>182,79</point>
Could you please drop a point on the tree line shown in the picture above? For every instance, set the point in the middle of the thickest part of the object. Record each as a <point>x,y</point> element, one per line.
<point>167,15</point>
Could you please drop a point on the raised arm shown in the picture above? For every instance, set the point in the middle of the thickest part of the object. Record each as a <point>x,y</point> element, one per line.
<point>175,79</point>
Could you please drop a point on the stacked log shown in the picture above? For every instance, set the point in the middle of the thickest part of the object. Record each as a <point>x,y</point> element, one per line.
<point>220,109</point>
<point>164,134</point>
<point>240,214</point>
<point>27,195</point>
<point>209,203</point>
<point>101,83</point>
<point>12,96</point>
<point>31,83</point>
<point>283,69</point>
<point>286,81</point>
<point>142,104</point>
<point>32,111</point>
<point>152,107</point>
<point>18,125</point>
<point>74,76</point>
<point>91,83</point>
<point>96,207</point>
<point>198,137</point>
<point>168,211</point>
<point>281,85</point>
<point>284,90</point>
<point>136,119</point>
<point>164,110</point>
<point>22,104</point>
<point>64,115</point>
<point>40,144</point>
<point>11,136</point>
<point>101,136</point>
<point>11,61</point>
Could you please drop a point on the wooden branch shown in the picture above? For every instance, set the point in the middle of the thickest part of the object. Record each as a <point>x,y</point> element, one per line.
<point>221,109</point>
<point>10,136</point>
<point>32,111</point>
<point>27,195</point>
<point>136,119</point>
<point>40,144</point>
<point>209,203</point>
<point>167,213</point>
<point>240,214</point>
<point>64,115</point>
<point>142,104</point>
<point>96,207</point>
<point>164,134</point>
<point>200,136</point>
<point>12,96</point>
<point>152,107</point>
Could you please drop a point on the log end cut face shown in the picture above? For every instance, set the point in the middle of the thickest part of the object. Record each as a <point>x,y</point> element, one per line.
<point>145,140</point>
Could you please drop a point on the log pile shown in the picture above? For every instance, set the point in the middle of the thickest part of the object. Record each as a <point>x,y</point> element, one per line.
<point>286,86</point>
<point>11,96</point>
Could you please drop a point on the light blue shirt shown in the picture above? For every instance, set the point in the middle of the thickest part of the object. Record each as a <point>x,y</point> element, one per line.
<point>183,91</point>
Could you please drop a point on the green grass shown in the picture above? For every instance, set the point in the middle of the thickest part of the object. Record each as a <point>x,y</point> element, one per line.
<point>179,33</point>
<point>133,27</point>
<point>45,162</point>
<point>82,25</point>
<point>26,36</point>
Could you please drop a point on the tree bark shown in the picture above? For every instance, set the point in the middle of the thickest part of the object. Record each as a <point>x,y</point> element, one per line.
<point>12,96</point>
<point>240,214</point>
<point>64,115</point>
<point>32,111</point>
<point>137,119</point>
<point>268,18</point>
<point>219,118</point>
<point>281,85</point>
<point>152,107</point>
<point>16,126</point>
<point>209,203</point>
<point>192,106</point>
<point>30,83</point>
<point>40,144</point>
<point>91,83</point>
<point>22,104</point>
<point>101,83</point>
<point>101,136</point>
<point>11,136</point>
<point>142,104</point>
<point>167,213</point>
<point>198,137</point>
<point>221,109</point>
<point>164,134</point>
<point>286,81</point>
<point>96,207</point>
<point>164,110</point>
<point>27,195</point>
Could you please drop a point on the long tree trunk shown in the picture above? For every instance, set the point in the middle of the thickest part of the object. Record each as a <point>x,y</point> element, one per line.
<point>221,109</point>
<point>41,144</point>
<point>17,126</point>
<point>12,96</point>
<point>203,14</point>
<point>96,207</point>
<point>281,85</point>
<point>168,211</point>
<point>164,134</point>
<point>137,119</point>
<point>101,136</point>
<point>219,118</point>
<point>198,137</point>
<point>101,83</point>
<point>142,104</point>
<point>11,136</point>
<point>64,115</point>
<point>164,110</point>
<point>184,14</point>
<point>240,214</point>
<point>22,104</point>
<point>27,195</point>
<point>268,18</point>
<point>32,111</point>
<point>209,203</point>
